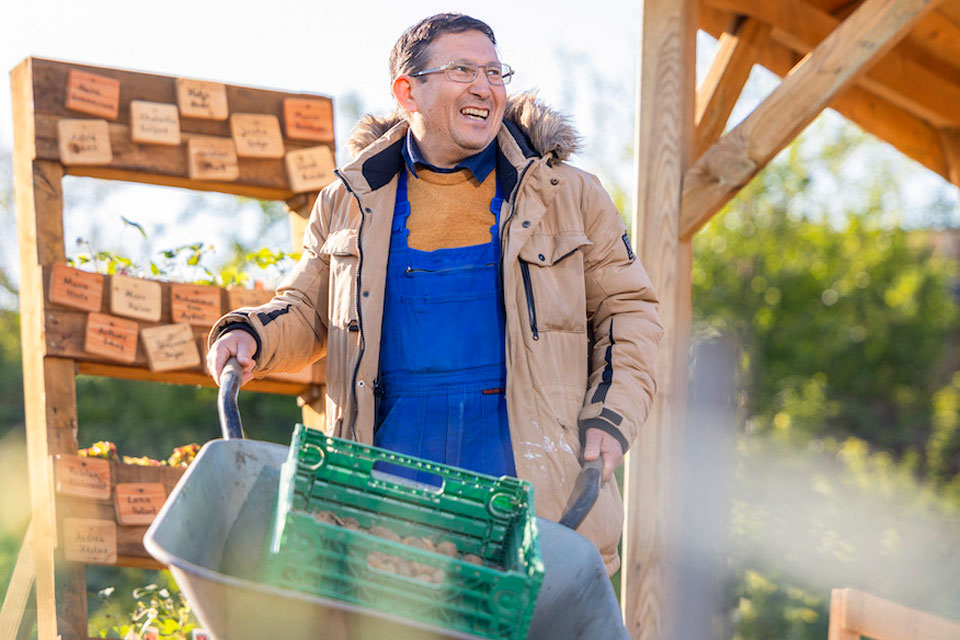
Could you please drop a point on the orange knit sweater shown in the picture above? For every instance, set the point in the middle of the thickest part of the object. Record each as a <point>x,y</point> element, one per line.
<point>449,210</point>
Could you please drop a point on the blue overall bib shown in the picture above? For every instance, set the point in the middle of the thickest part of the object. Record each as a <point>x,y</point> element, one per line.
<point>442,373</point>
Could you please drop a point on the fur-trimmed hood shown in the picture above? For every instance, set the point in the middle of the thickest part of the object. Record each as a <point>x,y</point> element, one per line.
<point>548,131</point>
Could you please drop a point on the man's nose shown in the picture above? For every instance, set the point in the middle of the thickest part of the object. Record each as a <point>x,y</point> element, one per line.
<point>481,84</point>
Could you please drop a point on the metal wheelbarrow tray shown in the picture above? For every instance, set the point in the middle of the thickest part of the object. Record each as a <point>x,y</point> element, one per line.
<point>212,533</point>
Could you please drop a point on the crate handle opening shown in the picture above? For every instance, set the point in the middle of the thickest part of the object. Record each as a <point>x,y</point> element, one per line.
<point>309,446</point>
<point>404,484</point>
<point>501,505</point>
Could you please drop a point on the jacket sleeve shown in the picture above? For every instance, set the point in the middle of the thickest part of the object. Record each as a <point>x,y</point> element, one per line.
<point>291,328</point>
<point>624,322</point>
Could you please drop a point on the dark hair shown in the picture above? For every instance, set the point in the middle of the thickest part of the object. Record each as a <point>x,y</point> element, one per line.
<point>411,50</point>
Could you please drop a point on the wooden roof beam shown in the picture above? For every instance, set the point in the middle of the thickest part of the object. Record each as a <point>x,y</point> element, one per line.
<point>950,139</point>
<point>720,89</point>
<point>898,77</point>
<point>862,39</point>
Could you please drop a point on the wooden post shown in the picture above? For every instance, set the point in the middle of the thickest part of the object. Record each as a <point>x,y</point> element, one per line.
<point>950,140</point>
<point>48,383</point>
<point>18,591</point>
<point>665,134</point>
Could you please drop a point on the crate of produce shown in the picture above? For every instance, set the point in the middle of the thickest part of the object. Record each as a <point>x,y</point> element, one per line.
<point>447,547</point>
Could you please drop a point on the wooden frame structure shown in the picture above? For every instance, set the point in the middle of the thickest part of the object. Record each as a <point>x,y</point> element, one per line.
<point>855,613</point>
<point>52,353</point>
<point>890,66</point>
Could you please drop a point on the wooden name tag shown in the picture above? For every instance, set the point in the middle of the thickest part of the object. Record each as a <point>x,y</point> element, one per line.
<point>238,297</point>
<point>196,304</point>
<point>200,99</point>
<point>170,347</point>
<point>90,541</point>
<point>154,123</point>
<point>135,298</point>
<point>310,169</point>
<point>111,337</point>
<point>83,477</point>
<point>74,288</point>
<point>84,142</point>
<point>138,503</point>
<point>256,135</point>
<point>93,94</point>
<point>213,159</point>
<point>307,119</point>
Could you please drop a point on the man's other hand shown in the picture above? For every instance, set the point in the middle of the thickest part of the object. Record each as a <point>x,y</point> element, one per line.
<point>601,443</point>
<point>233,343</point>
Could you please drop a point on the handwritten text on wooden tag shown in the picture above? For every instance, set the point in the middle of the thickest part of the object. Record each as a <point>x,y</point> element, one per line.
<point>138,503</point>
<point>84,142</point>
<point>154,123</point>
<point>111,337</point>
<point>170,347</point>
<point>93,94</point>
<point>212,159</point>
<point>197,304</point>
<point>307,119</point>
<point>83,477</point>
<point>90,541</point>
<point>200,99</point>
<point>310,169</point>
<point>135,298</point>
<point>257,135</point>
<point>74,288</point>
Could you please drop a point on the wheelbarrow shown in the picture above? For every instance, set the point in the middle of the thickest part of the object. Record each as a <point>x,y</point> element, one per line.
<point>213,528</point>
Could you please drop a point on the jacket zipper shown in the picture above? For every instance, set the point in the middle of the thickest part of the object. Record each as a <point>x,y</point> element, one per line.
<point>356,367</point>
<point>531,307</point>
<point>513,210</point>
<point>449,269</point>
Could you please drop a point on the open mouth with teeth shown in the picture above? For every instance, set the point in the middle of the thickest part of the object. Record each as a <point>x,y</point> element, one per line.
<point>475,114</point>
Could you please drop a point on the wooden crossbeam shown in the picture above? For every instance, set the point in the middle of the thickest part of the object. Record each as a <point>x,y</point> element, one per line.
<point>914,137</point>
<point>816,80</point>
<point>897,77</point>
<point>721,87</point>
<point>854,613</point>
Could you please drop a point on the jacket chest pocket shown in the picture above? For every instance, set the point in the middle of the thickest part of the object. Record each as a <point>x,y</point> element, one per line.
<point>551,268</point>
<point>341,249</point>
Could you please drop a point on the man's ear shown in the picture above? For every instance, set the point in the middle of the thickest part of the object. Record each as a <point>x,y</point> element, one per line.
<point>403,92</point>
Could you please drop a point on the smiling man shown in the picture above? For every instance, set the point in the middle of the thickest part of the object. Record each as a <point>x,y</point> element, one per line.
<point>477,296</point>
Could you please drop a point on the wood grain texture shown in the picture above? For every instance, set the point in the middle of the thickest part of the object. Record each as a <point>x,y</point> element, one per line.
<point>896,76</point>
<point>155,164</point>
<point>48,386</point>
<point>18,590</point>
<point>665,142</point>
<point>860,613</point>
<point>833,66</point>
<point>912,136</point>
<point>721,87</point>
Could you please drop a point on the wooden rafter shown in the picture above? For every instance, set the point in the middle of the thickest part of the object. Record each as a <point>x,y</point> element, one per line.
<point>721,87</point>
<point>911,135</point>
<point>950,139</point>
<point>832,67</point>
<point>896,77</point>
<point>854,613</point>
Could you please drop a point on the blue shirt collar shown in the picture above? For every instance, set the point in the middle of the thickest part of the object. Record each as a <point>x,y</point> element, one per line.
<point>479,164</point>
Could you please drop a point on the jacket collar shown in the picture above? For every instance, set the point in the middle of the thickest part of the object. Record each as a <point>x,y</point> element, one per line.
<point>530,130</point>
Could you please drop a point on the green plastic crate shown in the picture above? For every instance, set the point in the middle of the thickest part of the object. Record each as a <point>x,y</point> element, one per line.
<point>490,517</point>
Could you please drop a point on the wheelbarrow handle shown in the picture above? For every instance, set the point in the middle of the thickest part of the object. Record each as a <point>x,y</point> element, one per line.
<point>230,378</point>
<point>584,494</point>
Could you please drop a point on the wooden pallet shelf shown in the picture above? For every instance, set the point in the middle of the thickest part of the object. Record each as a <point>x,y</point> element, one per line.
<point>54,349</point>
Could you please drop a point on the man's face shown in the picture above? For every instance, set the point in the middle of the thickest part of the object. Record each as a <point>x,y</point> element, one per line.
<point>454,120</point>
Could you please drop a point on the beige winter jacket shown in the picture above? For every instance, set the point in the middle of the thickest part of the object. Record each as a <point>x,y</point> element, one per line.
<point>581,315</point>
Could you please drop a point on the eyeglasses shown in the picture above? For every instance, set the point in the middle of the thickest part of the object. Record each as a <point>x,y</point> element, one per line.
<point>461,71</point>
